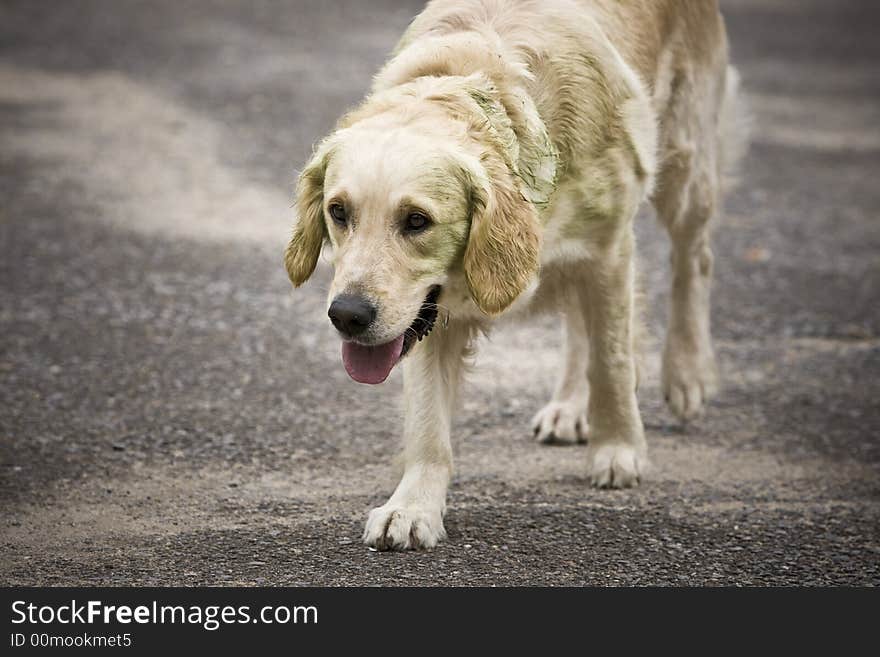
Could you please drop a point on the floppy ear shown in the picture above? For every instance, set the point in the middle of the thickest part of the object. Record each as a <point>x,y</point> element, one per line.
<point>304,247</point>
<point>502,252</point>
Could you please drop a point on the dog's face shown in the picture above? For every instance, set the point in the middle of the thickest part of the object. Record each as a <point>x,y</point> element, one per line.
<point>396,215</point>
<point>404,207</point>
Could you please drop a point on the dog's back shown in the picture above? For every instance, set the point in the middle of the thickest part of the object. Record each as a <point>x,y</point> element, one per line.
<point>674,47</point>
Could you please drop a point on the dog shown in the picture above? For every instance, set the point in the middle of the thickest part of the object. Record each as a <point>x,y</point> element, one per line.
<point>497,166</point>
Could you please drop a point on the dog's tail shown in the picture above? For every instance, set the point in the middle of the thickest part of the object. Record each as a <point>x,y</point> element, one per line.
<point>734,127</point>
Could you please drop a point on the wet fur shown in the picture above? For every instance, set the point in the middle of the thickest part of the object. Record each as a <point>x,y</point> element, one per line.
<point>534,131</point>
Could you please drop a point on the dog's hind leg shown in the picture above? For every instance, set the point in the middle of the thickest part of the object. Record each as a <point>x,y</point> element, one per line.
<point>565,415</point>
<point>413,517</point>
<point>687,197</point>
<point>689,372</point>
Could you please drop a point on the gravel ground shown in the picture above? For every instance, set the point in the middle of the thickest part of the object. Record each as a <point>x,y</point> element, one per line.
<point>173,413</point>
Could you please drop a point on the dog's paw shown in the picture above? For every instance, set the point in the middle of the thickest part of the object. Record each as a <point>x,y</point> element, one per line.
<point>689,381</point>
<point>397,527</point>
<point>561,421</point>
<point>615,465</point>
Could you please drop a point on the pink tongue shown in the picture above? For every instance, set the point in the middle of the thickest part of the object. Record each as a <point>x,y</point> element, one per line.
<point>371,364</point>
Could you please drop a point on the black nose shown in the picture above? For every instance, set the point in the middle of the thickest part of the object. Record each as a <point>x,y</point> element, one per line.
<point>351,314</point>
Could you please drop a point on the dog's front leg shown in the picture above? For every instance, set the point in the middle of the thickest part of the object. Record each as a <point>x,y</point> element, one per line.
<point>413,517</point>
<point>616,451</point>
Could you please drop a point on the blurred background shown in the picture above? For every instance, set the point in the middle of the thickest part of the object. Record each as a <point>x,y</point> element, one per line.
<point>172,412</point>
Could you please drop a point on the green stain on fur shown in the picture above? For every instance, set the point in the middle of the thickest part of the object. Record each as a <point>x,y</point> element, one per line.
<point>440,249</point>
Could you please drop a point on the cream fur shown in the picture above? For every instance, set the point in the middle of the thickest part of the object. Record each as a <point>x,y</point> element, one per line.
<point>530,132</point>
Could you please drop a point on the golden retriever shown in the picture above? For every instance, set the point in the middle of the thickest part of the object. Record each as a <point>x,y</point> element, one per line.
<point>498,165</point>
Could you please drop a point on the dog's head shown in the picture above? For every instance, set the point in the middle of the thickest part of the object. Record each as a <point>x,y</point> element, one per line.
<point>409,194</point>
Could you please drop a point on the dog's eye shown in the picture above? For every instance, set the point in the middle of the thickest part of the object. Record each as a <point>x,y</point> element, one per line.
<point>416,222</point>
<point>337,213</point>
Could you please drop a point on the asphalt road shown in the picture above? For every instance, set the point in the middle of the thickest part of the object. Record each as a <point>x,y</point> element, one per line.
<point>172,412</point>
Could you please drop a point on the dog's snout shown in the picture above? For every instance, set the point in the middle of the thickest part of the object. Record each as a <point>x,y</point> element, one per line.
<point>351,314</point>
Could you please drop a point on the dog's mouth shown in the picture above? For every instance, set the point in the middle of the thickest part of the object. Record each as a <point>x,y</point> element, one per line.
<point>373,363</point>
